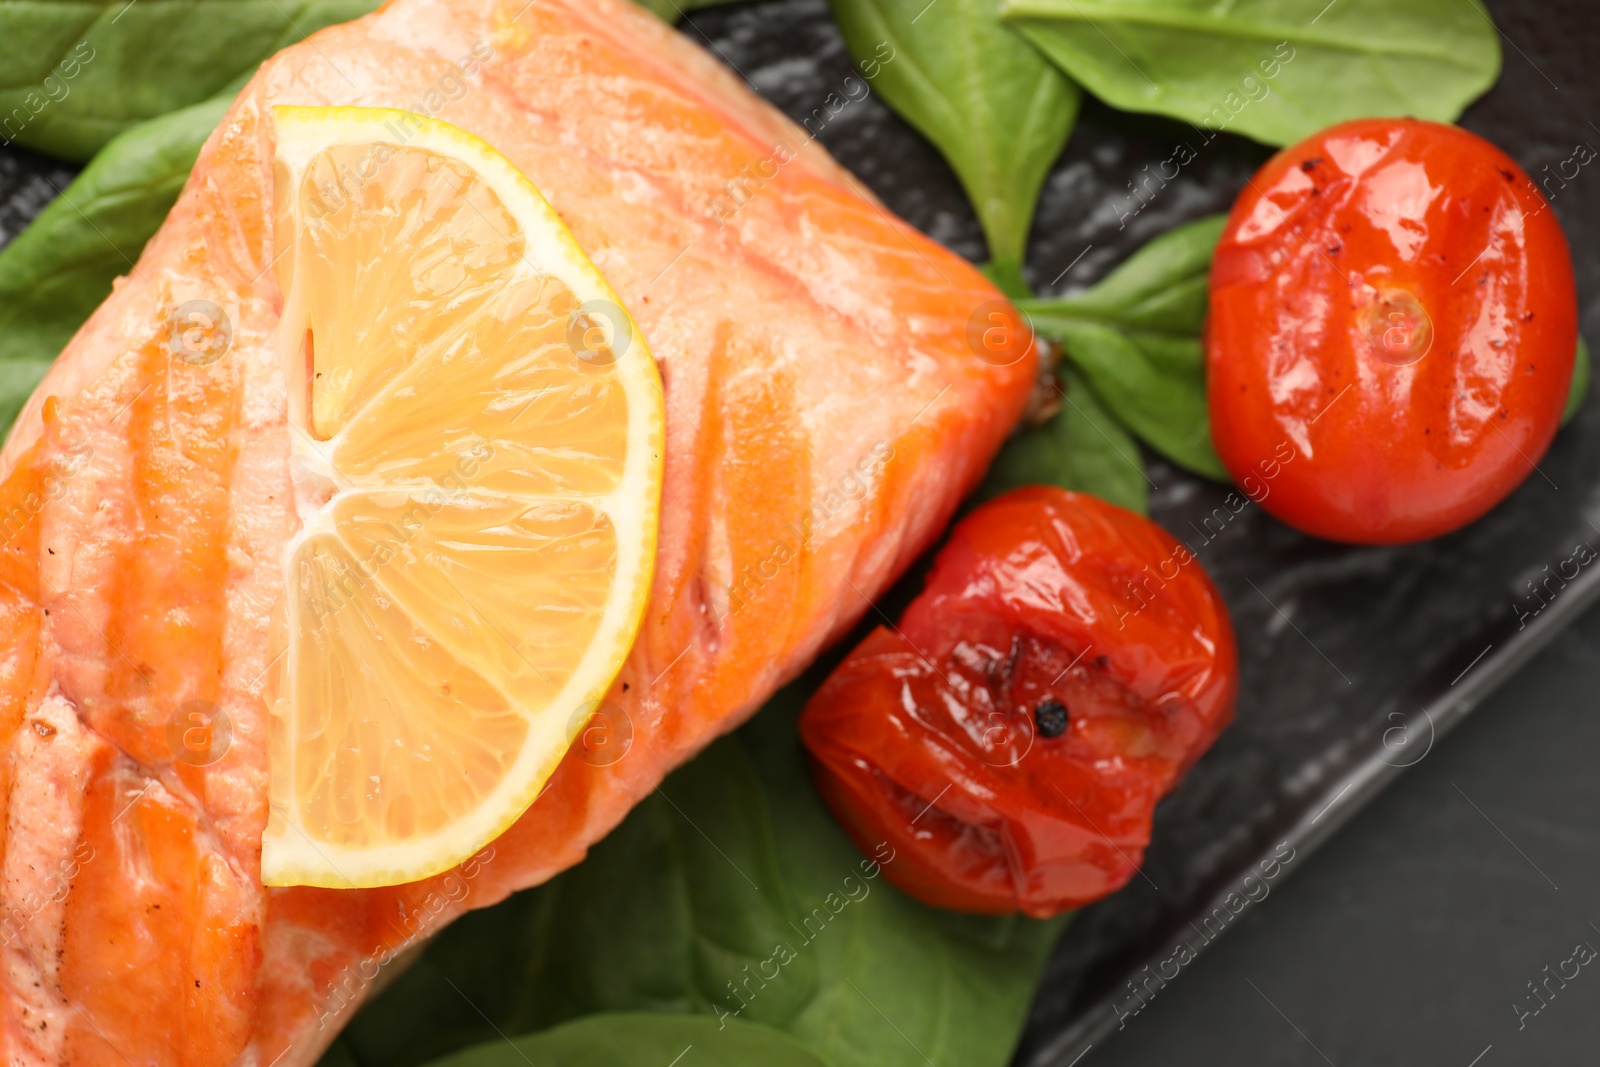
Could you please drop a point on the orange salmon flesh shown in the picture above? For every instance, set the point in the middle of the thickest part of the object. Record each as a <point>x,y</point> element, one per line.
<point>826,412</point>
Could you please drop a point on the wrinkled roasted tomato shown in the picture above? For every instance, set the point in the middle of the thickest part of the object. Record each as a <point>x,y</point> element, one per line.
<point>1392,328</point>
<point>1066,663</point>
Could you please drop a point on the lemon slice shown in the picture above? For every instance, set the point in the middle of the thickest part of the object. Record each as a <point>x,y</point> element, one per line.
<point>476,443</point>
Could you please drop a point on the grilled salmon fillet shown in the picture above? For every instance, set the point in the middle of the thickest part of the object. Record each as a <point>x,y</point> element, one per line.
<point>826,407</point>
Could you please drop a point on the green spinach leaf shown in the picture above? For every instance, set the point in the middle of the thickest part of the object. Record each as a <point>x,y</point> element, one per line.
<point>996,109</point>
<point>686,910</point>
<point>642,1040</point>
<point>730,895</point>
<point>673,10</point>
<point>1274,70</point>
<point>1136,338</point>
<point>679,909</point>
<point>1081,448</point>
<point>338,1055</point>
<point>78,74</point>
<point>59,269</point>
<point>1578,391</point>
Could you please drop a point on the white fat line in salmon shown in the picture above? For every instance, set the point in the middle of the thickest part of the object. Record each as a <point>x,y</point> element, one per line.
<point>14,920</point>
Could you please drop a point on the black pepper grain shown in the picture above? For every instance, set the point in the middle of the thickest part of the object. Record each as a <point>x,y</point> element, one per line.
<point>1050,716</point>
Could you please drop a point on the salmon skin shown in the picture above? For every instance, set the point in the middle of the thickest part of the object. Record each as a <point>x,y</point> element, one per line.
<point>827,409</point>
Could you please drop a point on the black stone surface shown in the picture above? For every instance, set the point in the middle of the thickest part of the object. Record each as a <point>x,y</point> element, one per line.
<point>1411,937</point>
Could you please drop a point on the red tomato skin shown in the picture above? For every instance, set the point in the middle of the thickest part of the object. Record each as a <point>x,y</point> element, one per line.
<point>1388,438</point>
<point>924,738</point>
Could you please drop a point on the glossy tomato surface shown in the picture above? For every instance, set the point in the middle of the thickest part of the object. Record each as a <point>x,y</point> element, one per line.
<point>1392,329</point>
<point>1008,740</point>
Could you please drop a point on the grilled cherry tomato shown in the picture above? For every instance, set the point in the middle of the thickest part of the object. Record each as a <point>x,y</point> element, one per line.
<point>1392,329</point>
<point>1066,663</point>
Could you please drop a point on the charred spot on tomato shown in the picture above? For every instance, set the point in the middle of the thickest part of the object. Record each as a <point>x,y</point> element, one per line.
<point>1050,716</point>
